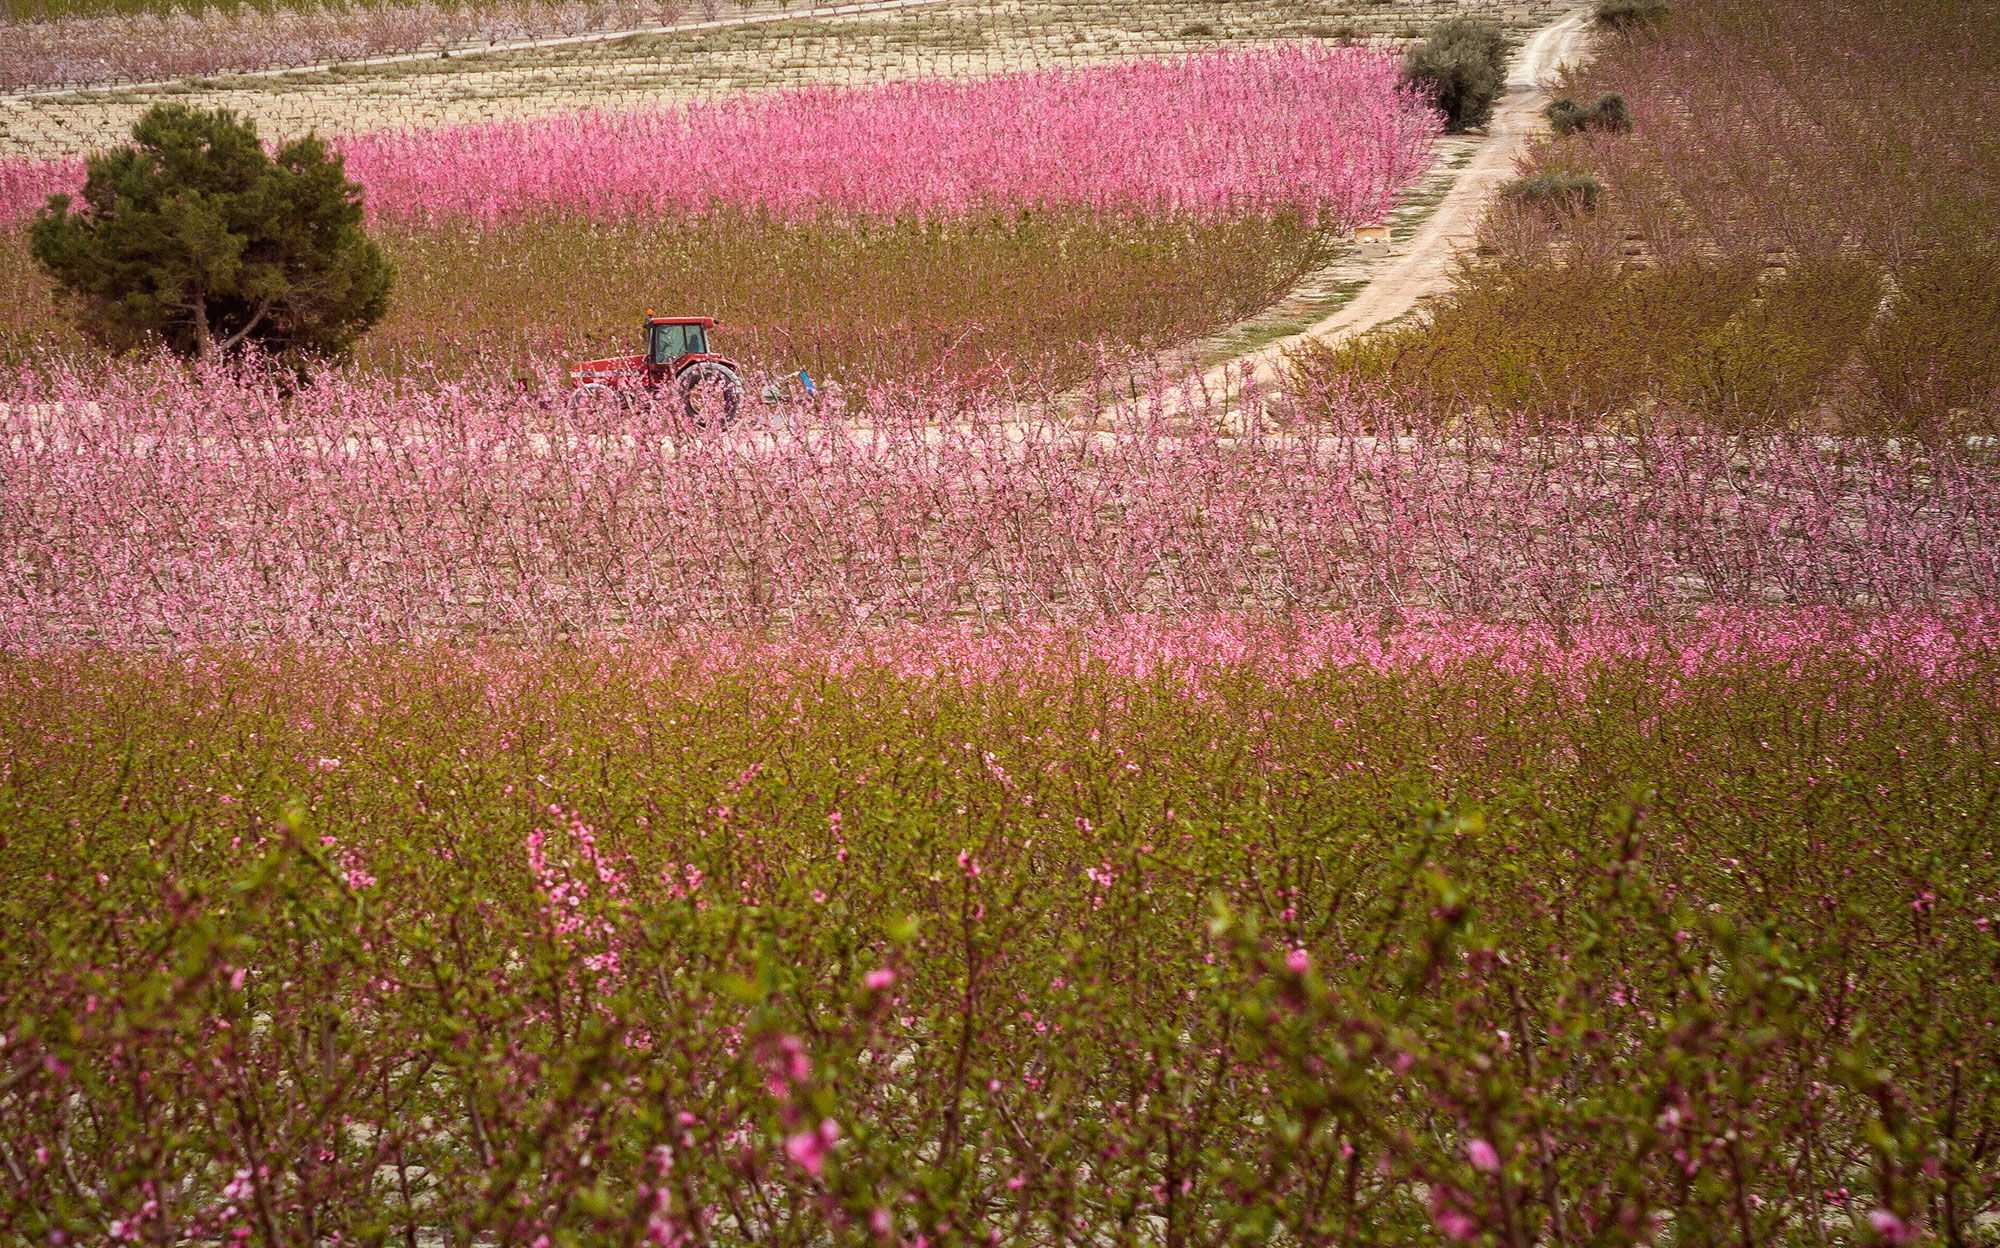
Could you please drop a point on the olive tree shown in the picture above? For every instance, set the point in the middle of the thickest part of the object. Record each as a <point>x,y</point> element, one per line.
<point>1462,66</point>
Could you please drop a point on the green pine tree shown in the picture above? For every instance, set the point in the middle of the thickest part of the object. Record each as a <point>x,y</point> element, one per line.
<point>196,237</point>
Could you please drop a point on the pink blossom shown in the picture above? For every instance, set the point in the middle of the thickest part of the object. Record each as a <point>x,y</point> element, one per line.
<point>1308,127</point>
<point>1473,561</point>
<point>805,1148</point>
<point>787,1061</point>
<point>1304,126</point>
<point>809,1148</point>
<point>1483,1156</point>
<point>92,48</point>
<point>1448,1211</point>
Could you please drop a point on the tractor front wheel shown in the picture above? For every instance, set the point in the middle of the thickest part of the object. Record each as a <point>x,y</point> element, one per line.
<point>711,393</point>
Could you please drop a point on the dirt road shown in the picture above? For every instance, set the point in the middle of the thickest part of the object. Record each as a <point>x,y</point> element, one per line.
<point>1420,266</point>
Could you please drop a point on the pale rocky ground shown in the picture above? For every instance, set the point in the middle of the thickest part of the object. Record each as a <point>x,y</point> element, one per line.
<point>957,37</point>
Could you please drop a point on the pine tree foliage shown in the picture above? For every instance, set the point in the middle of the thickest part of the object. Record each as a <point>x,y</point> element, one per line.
<point>196,237</point>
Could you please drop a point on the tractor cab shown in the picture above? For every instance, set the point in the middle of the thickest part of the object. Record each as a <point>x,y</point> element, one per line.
<point>670,338</point>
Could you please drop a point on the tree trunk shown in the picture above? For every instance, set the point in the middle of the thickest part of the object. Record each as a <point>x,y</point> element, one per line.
<point>243,333</point>
<point>204,342</point>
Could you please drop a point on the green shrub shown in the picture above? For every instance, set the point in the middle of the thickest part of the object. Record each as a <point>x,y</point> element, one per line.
<point>1627,14</point>
<point>1034,294</point>
<point>1565,115</point>
<point>1555,189</point>
<point>1463,67</point>
<point>1610,113</point>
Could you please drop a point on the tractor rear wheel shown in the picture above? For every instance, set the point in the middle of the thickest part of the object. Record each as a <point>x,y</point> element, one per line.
<point>711,393</point>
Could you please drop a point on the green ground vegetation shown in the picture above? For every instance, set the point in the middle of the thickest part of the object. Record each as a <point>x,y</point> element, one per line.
<point>457,940</point>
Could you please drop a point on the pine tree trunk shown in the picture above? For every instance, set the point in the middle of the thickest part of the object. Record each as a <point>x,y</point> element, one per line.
<point>204,343</point>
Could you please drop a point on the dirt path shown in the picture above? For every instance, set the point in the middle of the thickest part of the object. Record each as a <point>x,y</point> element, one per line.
<point>1420,267</point>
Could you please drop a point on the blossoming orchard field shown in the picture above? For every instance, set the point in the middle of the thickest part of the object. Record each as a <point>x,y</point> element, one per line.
<point>1071,695</point>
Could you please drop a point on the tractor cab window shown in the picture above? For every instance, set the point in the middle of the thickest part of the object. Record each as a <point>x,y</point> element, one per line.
<point>668,343</point>
<point>671,342</point>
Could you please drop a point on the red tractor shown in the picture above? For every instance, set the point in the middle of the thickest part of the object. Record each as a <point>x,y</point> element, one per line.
<point>677,372</point>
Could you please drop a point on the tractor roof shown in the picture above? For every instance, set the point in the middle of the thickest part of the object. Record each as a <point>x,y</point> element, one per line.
<point>707,322</point>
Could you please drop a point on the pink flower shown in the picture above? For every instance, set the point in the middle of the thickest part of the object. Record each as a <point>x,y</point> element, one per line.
<point>809,1148</point>
<point>1298,961</point>
<point>1892,1229</point>
<point>1187,135</point>
<point>879,978</point>
<point>797,1065</point>
<point>373,568</point>
<point>806,1149</point>
<point>1483,1156</point>
<point>1448,1210</point>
